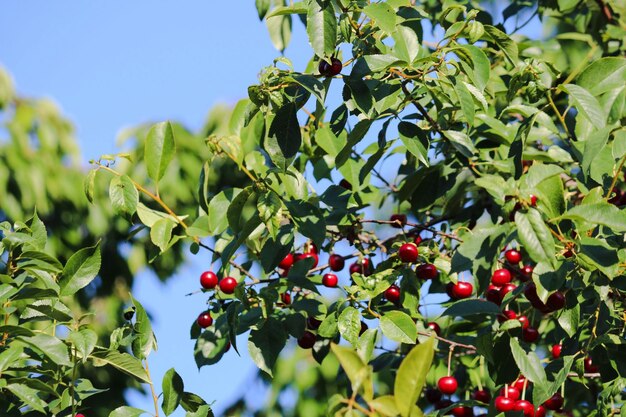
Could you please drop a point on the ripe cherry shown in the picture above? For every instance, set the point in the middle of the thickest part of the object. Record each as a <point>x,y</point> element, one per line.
<point>205,320</point>
<point>556,301</point>
<point>307,340</point>
<point>417,240</point>
<point>408,252</point>
<point>526,407</point>
<point>504,404</point>
<point>556,351</point>
<point>208,280</point>
<point>493,294</point>
<point>447,385</point>
<point>330,280</point>
<point>507,315</point>
<point>590,368</point>
<point>336,262</point>
<point>228,284</point>
<point>362,267</point>
<point>500,277</point>
<point>462,411</point>
<point>310,247</point>
<point>399,220</point>
<point>432,395</point>
<point>533,200</point>
<point>524,321</point>
<point>335,66</point>
<point>506,288</point>
<point>324,68</point>
<point>526,272</point>
<point>554,403</point>
<point>285,298</point>
<point>392,294</point>
<point>287,261</point>
<point>462,290</point>
<point>426,271</point>
<point>520,382</point>
<point>568,253</point>
<point>530,334</point>
<point>313,323</point>
<point>434,327</point>
<point>513,256</point>
<point>511,392</point>
<point>345,184</point>
<point>540,411</point>
<point>79,415</point>
<point>302,256</point>
<point>482,395</point>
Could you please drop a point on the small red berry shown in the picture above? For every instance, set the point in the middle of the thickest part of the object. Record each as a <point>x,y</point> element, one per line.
<point>500,277</point>
<point>504,404</point>
<point>287,261</point>
<point>418,240</point>
<point>447,385</point>
<point>307,340</point>
<point>513,256</point>
<point>426,271</point>
<point>524,321</point>
<point>208,280</point>
<point>530,334</point>
<point>506,288</point>
<point>324,68</point>
<point>568,253</point>
<point>526,407</point>
<point>493,294</point>
<point>330,280</point>
<point>540,411</point>
<point>434,327</point>
<point>511,392</point>
<point>533,200</point>
<point>520,382</point>
<point>79,415</point>
<point>285,298</point>
<point>228,284</point>
<point>554,403</point>
<point>336,262</point>
<point>313,323</point>
<point>345,184</point>
<point>312,255</point>
<point>507,315</point>
<point>335,66</point>
<point>462,290</point>
<point>205,320</point>
<point>526,272</point>
<point>399,220</point>
<point>408,252</point>
<point>462,411</point>
<point>556,301</point>
<point>482,395</point>
<point>556,351</point>
<point>310,247</point>
<point>392,294</point>
<point>362,267</point>
<point>590,368</point>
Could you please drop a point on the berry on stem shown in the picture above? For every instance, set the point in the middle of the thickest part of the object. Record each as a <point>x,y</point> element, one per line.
<point>408,253</point>
<point>554,403</point>
<point>313,323</point>
<point>462,411</point>
<point>336,262</point>
<point>504,404</point>
<point>556,301</point>
<point>287,261</point>
<point>462,290</point>
<point>447,385</point>
<point>330,280</point>
<point>526,407</point>
<point>228,284</point>
<point>482,395</point>
<point>511,392</point>
<point>399,220</point>
<point>205,320</point>
<point>530,334</point>
<point>513,256</point>
<point>524,321</point>
<point>208,280</point>
<point>556,351</point>
<point>590,367</point>
<point>307,340</point>
<point>285,298</point>
<point>434,327</point>
<point>500,277</point>
<point>392,294</point>
<point>426,271</point>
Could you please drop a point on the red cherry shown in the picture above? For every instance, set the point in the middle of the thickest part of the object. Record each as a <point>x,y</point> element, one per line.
<point>568,253</point>
<point>530,334</point>
<point>526,407</point>
<point>302,256</point>
<point>493,294</point>
<point>462,290</point>
<point>287,261</point>
<point>462,411</point>
<point>205,320</point>
<point>590,368</point>
<point>336,262</point>
<point>507,315</point>
<point>511,392</point>
<point>345,184</point>
<point>392,294</point>
<point>533,200</point>
<point>556,351</point>
<point>524,321</point>
<point>500,277</point>
<point>432,395</point>
<point>335,66</point>
<point>520,382</point>
<point>208,280</point>
<point>408,253</point>
<point>228,284</point>
<point>556,301</point>
<point>398,220</point>
<point>526,273</point>
<point>310,247</point>
<point>504,404</point>
<point>513,256</point>
<point>506,288</point>
<point>531,294</point>
<point>313,323</point>
<point>447,385</point>
<point>285,298</point>
<point>360,268</point>
<point>330,280</point>
<point>324,68</point>
<point>554,403</point>
<point>307,340</point>
<point>540,411</point>
<point>418,240</point>
<point>482,395</point>
<point>79,415</point>
<point>426,271</point>
<point>434,327</point>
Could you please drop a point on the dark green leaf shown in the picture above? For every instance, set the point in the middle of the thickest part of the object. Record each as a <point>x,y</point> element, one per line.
<point>266,343</point>
<point>122,361</point>
<point>535,236</point>
<point>412,376</point>
<point>464,308</point>
<point>159,150</point>
<point>173,390</point>
<point>321,26</point>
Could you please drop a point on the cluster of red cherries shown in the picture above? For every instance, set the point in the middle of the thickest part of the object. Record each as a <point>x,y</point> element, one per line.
<point>209,280</point>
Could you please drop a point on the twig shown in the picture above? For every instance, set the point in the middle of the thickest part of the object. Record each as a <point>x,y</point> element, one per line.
<point>154,396</point>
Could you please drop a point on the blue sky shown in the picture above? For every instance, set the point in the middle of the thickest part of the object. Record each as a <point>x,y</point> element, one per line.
<point>115,64</point>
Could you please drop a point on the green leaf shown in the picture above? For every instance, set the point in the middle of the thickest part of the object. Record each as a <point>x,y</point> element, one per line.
<point>321,26</point>
<point>378,62</point>
<point>89,184</point>
<point>504,43</point>
<point>161,233</point>
<point>265,344</point>
<point>283,137</point>
<point>358,372</point>
<point>80,270</point>
<point>535,236</point>
<point>202,411</point>
<point>475,63</point>
<point>415,140</point>
<point>464,308</point>
<point>295,8</point>
<point>569,319</point>
<point>383,16</point>
<point>603,75</point>
<point>50,346</point>
<point>308,219</point>
<point>327,140</point>
<point>278,23</point>
<point>218,206</point>
<point>586,104</point>
<point>143,341</point>
<point>123,195</point>
<point>529,364</point>
<point>406,43</point>
<point>173,390</point>
<point>466,101</point>
<point>126,411</point>
<point>461,141</point>
<point>150,216</point>
<point>121,361</point>
<point>84,341</point>
<point>399,327</point>
<point>603,214</point>
<point>159,150</point>
<point>544,391</point>
<point>349,324</point>
<point>412,376</point>
<point>385,405</point>
<point>28,396</point>
<point>598,254</point>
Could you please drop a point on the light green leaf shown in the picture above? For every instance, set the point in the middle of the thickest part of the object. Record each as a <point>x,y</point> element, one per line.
<point>358,372</point>
<point>89,184</point>
<point>586,104</point>
<point>121,361</point>
<point>161,233</point>
<point>266,343</point>
<point>569,319</point>
<point>84,341</point>
<point>50,346</point>
<point>327,140</point>
<point>159,150</point>
<point>461,141</point>
<point>398,326</point>
<point>123,195</point>
<point>144,340</point>
<point>406,44</point>
<point>28,396</point>
<point>603,213</point>
<point>535,236</point>
<point>383,16</point>
<point>466,101</point>
<point>80,270</point>
<point>385,405</point>
<point>603,75</point>
<point>126,411</point>
<point>411,376</point>
<point>278,23</point>
<point>529,364</point>
<point>321,26</point>
<point>349,324</point>
<point>504,43</point>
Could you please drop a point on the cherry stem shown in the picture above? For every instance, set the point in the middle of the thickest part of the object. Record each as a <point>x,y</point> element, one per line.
<point>450,357</point>
<point>524,388</point>
<point>506,390</point>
